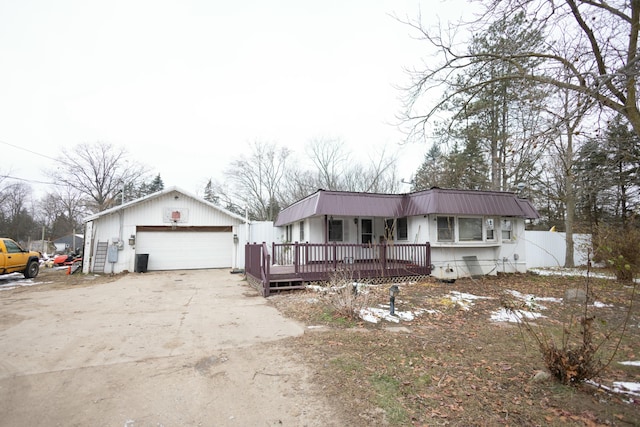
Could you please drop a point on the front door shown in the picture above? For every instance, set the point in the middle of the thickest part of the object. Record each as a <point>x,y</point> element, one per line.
<point>367,238</point>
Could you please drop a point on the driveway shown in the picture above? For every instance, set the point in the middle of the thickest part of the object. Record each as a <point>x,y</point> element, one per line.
<point>186,348</point>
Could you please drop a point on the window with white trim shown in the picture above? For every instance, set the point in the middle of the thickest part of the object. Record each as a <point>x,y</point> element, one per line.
<point>490,229</point>
<point>301,231</point>
<point>470,229</point>
<point>335,230</point>
<point>445,226</point>
<point>507,230</point>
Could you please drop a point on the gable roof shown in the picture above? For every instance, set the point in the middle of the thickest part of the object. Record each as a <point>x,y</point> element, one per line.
<point>158,195</point>
<point>433,201</point>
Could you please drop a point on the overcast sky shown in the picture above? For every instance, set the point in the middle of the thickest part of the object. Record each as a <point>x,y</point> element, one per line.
<point>185,86</point>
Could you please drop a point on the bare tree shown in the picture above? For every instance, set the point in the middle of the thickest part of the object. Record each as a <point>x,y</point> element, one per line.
<point>604,63</point>
<point>337,170</point>
<point>17,212</point>
<point>254,180</point>
<point>298,184</point>
<point>62,210</point>
<point>330,159</point>
<point>98,171</point>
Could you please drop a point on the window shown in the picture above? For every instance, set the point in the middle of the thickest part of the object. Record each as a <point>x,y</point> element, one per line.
<point>401,224</point>
<point>445,228</point>
<point>396,229</point>
<point>302,231</point>
<point>12,248</point>
<point>490,229</point>
<point>507,232</point>
<point>366,231</point>
<point>335,230</point>
<point>288,233</point>
<point>470,229</point>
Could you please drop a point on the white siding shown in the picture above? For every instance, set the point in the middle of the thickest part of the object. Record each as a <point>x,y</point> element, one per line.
<point>122,224</point>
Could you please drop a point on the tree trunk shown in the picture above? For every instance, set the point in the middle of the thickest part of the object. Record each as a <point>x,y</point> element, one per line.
<point>570,201</point>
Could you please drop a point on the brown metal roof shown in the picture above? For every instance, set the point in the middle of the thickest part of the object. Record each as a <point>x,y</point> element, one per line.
<point>433,201</point>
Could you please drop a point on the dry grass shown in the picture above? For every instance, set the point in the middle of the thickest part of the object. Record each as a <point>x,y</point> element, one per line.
<point>456,367</point>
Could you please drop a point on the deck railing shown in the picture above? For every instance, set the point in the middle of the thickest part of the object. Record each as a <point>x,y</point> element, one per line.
<point>258,265</point>
<point>290,262</point>
<point>313,261</point>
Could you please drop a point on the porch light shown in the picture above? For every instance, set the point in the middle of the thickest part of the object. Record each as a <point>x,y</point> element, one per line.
<point>355,220</point>
<point>393,292</point>
<point>132,240</point>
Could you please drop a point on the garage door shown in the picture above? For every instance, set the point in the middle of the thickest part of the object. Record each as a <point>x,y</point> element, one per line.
<point>176,250</point>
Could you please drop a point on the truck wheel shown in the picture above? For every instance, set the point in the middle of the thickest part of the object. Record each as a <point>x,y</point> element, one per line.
<point>32,269</point>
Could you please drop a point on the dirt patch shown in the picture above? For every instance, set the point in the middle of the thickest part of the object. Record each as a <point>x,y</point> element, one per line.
<point>172,348</point>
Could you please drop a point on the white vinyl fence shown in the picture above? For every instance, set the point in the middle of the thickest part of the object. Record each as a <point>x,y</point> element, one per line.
<point>547,248</point>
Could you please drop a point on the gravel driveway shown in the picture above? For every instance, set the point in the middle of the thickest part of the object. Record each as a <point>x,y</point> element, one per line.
<point>185,348</point>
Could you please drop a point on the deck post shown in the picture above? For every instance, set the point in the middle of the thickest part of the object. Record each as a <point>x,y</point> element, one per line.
<point>335,255</point>
<point>296,257</point>
<point>383,257</point>
<point>267,275</point>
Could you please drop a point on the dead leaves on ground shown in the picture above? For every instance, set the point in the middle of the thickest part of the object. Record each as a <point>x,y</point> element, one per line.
<point>456,367</point>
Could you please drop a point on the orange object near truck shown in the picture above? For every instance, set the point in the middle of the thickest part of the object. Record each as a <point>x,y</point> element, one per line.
<point>14,259</point>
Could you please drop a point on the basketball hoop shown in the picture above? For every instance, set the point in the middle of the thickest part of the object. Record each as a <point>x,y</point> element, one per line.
<point>175,217</point>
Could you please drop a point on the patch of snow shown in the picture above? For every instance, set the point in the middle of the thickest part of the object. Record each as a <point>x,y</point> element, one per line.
<point>464,300</point>
<point>531,301</point>
<point>570,272</point>
<point>368,316</point>
<point>631,363</point>
<point>374,315</point>
<point>15,280</point>
<point>599,304</point>
<point>627,387</point>
<point>504,315</point>
<point>620,387</point>
<point>561,271</point>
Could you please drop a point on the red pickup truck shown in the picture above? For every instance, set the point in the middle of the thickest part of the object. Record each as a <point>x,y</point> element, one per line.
<point>14,259</point>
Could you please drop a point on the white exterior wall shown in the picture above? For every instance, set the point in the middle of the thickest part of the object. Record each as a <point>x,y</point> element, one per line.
<point>547,249</point>
<point>490,257</point>
<point>447,257</point>
<point>122,224</point>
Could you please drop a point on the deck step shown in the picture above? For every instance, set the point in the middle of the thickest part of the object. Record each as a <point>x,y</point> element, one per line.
<point>283,279</point>
<point>285,288</point>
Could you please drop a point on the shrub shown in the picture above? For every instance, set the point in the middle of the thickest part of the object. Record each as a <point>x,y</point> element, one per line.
<point>344,295</point>
<point>619,249</point>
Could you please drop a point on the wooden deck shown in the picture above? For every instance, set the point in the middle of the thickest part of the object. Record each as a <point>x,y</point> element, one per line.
<point>299,263</point>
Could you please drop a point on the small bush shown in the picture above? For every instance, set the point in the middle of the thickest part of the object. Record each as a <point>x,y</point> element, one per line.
<point>573,365</point>
<point>344,295</point>
<point>619,249</point>
<point>572,359</point>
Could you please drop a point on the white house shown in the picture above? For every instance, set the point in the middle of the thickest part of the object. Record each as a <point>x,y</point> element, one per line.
<point>167,230</point>
<point>470,232</point>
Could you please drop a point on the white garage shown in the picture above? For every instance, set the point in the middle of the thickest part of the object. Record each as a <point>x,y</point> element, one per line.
<point>168,230</point>
<point>201,247</point>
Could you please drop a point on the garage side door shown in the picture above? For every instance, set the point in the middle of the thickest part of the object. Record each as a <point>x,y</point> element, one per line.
<point>175,250</point>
